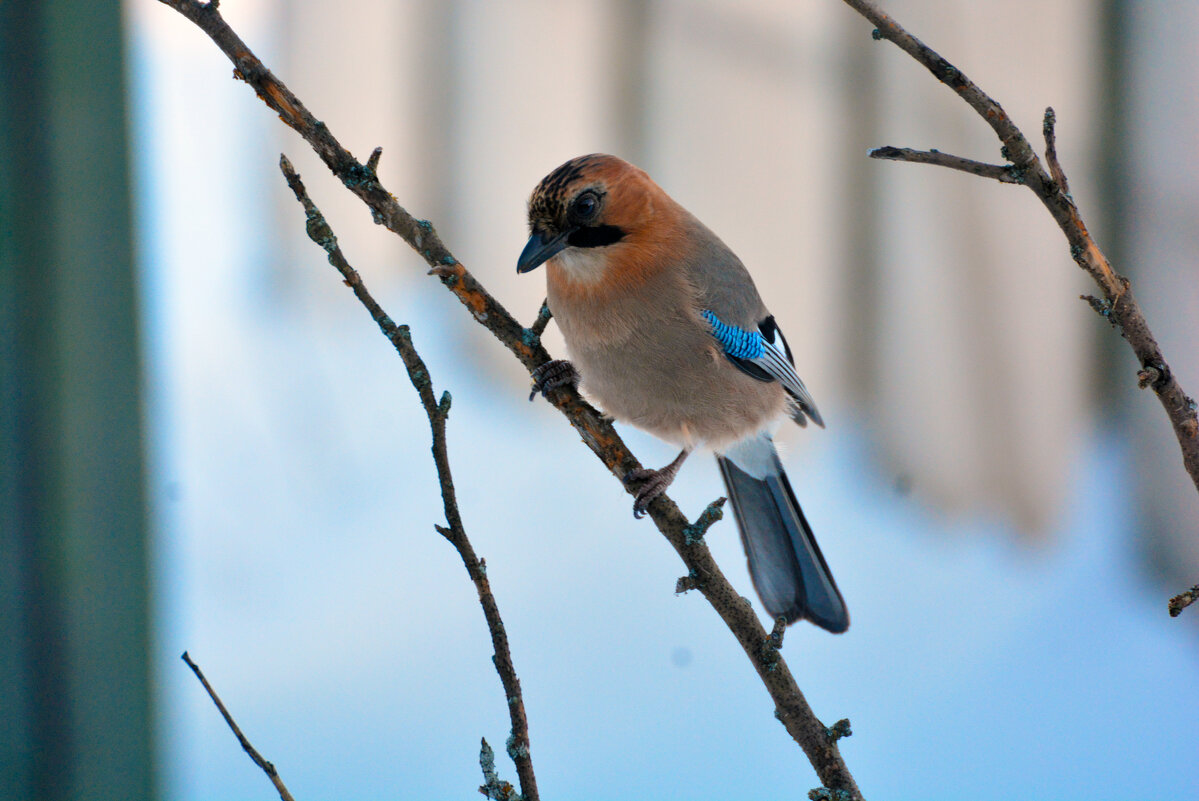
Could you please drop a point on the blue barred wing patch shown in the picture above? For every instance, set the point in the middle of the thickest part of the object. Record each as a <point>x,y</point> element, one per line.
<point>737,342</point>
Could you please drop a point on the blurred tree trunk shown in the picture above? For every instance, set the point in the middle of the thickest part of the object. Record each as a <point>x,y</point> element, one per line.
<point>74,665</point>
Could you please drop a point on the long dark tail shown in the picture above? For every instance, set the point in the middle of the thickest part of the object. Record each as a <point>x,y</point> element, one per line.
<point>785,563</point>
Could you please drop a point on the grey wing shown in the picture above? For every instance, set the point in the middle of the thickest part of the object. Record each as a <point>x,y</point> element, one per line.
<point>774,363</point>
<point>721,281</point>
<point>725,288</point>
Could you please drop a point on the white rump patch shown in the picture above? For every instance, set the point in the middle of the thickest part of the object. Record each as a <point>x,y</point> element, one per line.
<point>754,455</point>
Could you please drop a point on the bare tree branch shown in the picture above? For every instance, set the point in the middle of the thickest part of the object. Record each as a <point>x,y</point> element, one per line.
<point>1000,172</point>
<point>791,708</point>
<point>1048,130</point>
<point>437,411</point>
<point>543,319</point>
<point>1118,305</point>
<point>1183,600</point>
<point>493,786</point>
<point>267,767</point>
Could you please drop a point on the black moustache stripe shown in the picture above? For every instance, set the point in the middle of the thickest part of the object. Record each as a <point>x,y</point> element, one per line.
<point>595,236</point>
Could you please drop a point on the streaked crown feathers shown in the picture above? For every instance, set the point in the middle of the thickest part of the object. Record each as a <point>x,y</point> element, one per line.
<point>623,192</point>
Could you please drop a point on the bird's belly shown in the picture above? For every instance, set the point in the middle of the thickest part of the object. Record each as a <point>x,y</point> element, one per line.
<point>685,392</point>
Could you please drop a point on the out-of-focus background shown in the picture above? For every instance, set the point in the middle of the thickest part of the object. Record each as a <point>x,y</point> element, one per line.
<point>206,445</point>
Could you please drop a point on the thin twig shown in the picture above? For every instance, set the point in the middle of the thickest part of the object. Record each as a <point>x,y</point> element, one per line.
<point>1183,600</point>
<point>266,766</point>
<point>1049,130</point>
<point>437,411</point>
<point>493,786</point>
<point>1119,307</point>
<point>543,319</point>
<point>1000,172</point>
<point>791,707</point>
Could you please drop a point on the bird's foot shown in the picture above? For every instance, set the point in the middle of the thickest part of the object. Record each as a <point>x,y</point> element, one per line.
<point>552,375</point>
<point>655,483</point>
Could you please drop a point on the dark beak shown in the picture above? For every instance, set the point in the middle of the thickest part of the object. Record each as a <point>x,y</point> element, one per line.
<point>540,249</point>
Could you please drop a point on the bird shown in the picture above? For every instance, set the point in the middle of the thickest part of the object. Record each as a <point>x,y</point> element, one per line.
<point>666,331</point>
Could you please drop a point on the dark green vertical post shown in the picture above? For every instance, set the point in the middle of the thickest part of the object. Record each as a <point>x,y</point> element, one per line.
<point>75,717</point>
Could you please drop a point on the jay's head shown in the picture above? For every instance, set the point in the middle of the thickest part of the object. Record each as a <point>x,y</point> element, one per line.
<point>591,205</point>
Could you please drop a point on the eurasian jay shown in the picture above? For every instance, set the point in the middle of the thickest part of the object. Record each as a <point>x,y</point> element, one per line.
<point>665,330</point>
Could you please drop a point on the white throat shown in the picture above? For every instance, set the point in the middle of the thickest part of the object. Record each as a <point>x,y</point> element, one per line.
<point>583,265</point>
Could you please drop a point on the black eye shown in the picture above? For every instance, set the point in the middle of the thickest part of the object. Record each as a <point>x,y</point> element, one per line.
<point>585,206</point>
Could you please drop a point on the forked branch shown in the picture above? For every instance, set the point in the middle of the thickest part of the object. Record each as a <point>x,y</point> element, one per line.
<point>1117,305</point>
